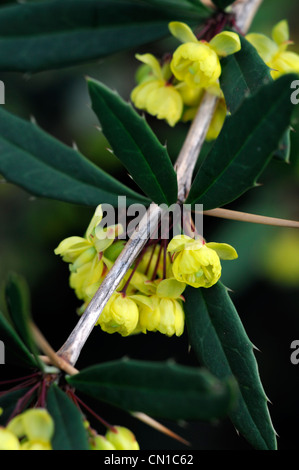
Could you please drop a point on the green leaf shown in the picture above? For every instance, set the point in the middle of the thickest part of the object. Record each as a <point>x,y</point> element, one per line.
<point>248,73</point>
<point>162,390</point>
<point>49,34</point>
<point>18,302</point>
<point>32,159</point>
<point>222,4</point>
<point>244,147</point>
<point>15,350</point>
<point>70,433</point>
<point>135,144</point>
<point>8,403</point>
<point>221,344</point>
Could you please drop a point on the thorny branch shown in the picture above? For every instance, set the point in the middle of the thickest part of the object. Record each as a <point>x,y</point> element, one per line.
<point>244,11</point>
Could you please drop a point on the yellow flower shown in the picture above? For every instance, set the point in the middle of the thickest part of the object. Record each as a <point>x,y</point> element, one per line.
<point>163,311</point>
<point>35,424</point>
<point>274,51</point>
<point>120,315</point>
<point>122,438</point>
<point>197,263</point>
<point>197,62</point>
<point>31,430</point>
<point>101,443</point>
<point>8,441</point>
<point>85,255</point>
<point>155,94</point>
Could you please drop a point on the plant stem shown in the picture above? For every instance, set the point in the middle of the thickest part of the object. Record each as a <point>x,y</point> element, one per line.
<point>184,166</point>
<point>253,218</point>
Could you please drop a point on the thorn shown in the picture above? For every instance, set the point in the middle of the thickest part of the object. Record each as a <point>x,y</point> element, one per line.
<point>98,128</point>
<point>255,348</point>
<point>189,348</point>
<point>33,120</point>
<point>159,427</point>
<point>74,146</point>
<point>32,198</point>
<point>3,181</point>
<point>125,358</point>
<point>110,150</point>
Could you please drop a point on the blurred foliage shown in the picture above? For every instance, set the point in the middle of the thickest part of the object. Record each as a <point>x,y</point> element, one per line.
<point>265,278</point>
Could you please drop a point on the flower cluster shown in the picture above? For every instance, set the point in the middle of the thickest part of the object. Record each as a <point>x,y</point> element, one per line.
<point>173,90</point>
<point>116,438</point>
<point>31,430</point>
<point>274,51</point>
<point>150,296</point>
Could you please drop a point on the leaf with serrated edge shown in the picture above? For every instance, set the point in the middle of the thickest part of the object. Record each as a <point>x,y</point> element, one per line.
<point>34,160</point>
<point>221,344</point>
<point>135,144</point>
<point>244,147</point>
<point>37,36</point>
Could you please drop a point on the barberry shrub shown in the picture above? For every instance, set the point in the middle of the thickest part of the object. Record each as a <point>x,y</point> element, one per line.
<point>233,92</point>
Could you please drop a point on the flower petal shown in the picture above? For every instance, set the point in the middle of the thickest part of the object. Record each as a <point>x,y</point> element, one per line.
<point>223,250</point>
<point>153,63</point>
<point>226,43</point>
<point>264,45</point>
<point>280,32</point>
<point>182,32</point>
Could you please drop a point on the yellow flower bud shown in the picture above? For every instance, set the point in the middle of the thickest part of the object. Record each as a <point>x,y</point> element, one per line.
<point>197,62</point>
<point>120,315</point>
<point>197,263</point>
<point>166,316</point>
<point>35,424</point>
<point>8,441</point>
<point>36,445</point>
<point>101,443</point>
<point>122,439</point>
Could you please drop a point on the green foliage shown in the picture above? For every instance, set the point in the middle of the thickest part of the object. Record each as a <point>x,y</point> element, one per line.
<point>15,350</point>
<point>70,433</point>
<point>245,146</point>
<point>221,344</point>
<point>18,304</point>
<point>160,389</point>
<point>248,73</point>
<point>44,166</point>
<point>135,144</point>
<point>49,34</point>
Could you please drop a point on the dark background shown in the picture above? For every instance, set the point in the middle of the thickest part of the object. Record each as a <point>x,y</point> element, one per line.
<point>264,280</point>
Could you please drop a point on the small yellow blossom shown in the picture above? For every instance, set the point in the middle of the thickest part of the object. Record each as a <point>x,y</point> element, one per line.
<point>197,62</point>
<point>197,263</point>
<point>31,430</point>
<point>120,315</point>
<point>155,94</point>
<point>163,310</point>
<point>8,441</point>
<point>122,438</point>
<point>274,51</point>
<point>85,255</point>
